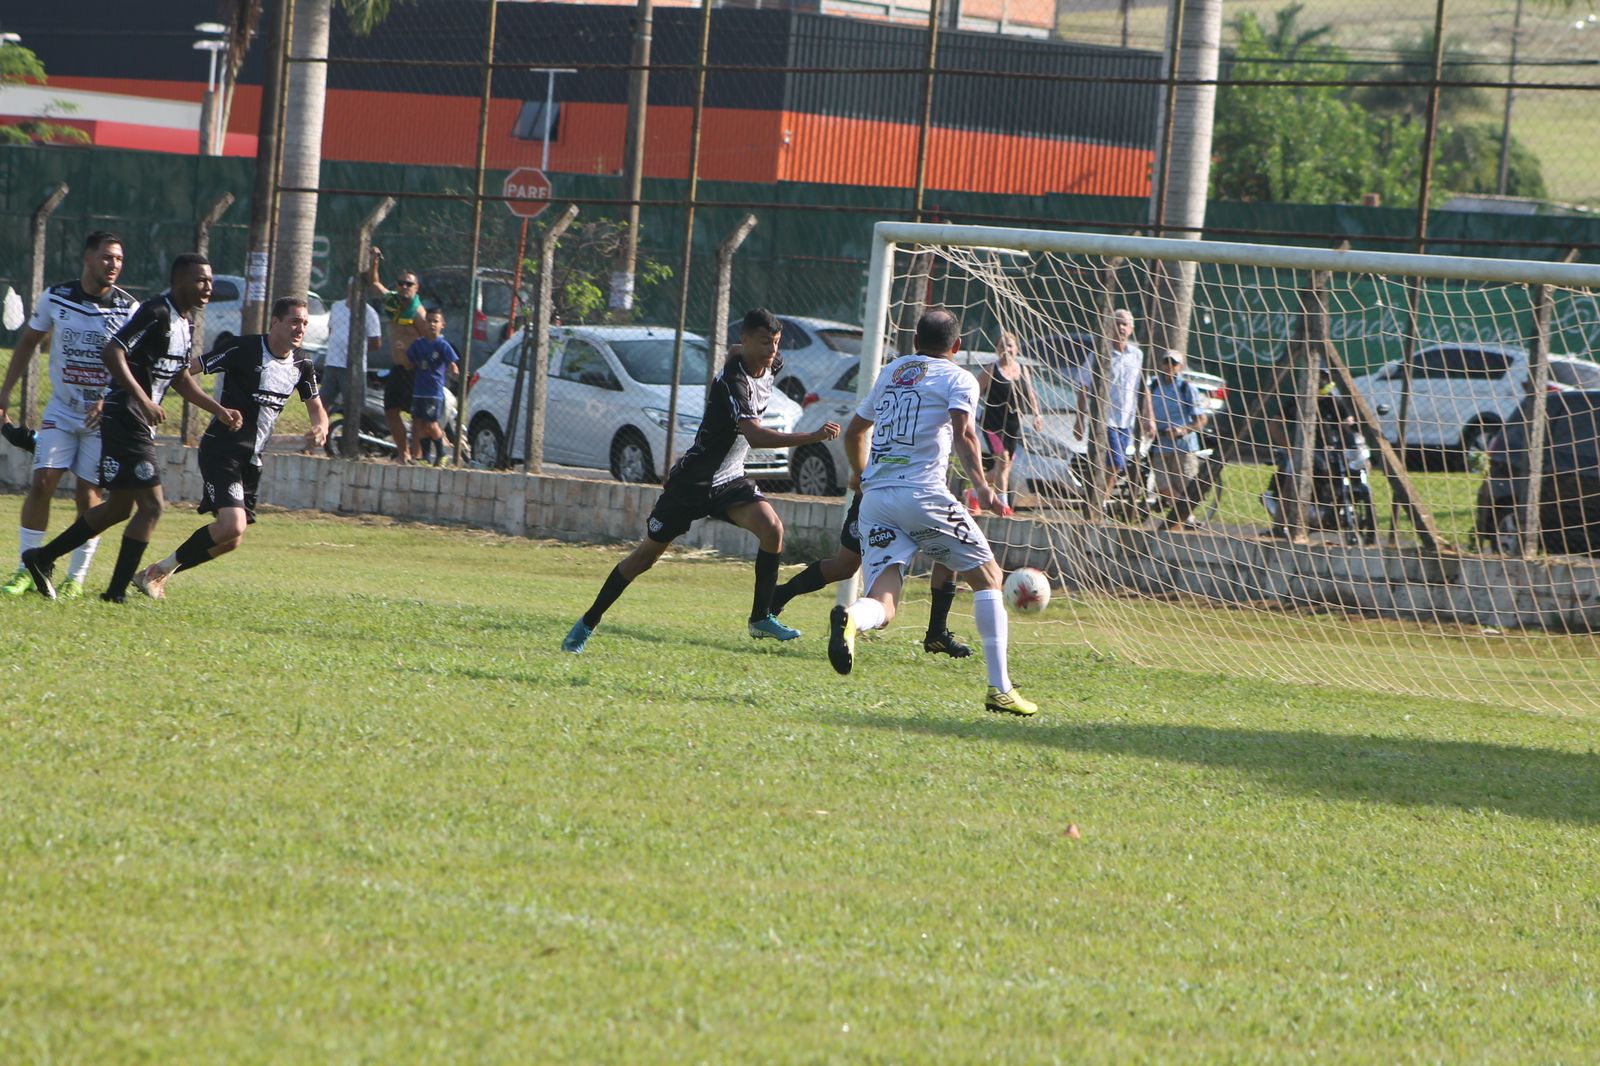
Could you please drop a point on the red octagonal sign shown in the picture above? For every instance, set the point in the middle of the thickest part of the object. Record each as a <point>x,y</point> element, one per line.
<point>527,192</point>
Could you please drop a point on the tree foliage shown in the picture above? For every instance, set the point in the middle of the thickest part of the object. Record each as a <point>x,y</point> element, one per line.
<point>18,66</point>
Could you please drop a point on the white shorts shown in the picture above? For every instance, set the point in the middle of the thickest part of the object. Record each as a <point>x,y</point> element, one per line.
<point>68,446</point>
<point>900,520</point>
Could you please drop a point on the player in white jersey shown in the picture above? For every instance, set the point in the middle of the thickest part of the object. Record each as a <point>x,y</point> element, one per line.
<point>78,317</point>
<point>919,410</point>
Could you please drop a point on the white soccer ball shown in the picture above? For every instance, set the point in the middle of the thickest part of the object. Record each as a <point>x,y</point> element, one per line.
<point>1027,591</point>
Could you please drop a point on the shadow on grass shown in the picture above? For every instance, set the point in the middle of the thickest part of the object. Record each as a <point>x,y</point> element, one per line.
<point>1554,786</point>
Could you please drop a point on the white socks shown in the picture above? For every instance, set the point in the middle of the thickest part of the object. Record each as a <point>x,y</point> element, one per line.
<point>82,555</point>
<point>989,611</point>
<point>867,614</point>
<point>31,538</point>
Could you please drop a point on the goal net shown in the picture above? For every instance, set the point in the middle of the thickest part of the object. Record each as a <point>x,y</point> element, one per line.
<point>1358,469</point>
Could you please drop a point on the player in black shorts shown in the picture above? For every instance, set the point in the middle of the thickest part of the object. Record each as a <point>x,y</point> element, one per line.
<point>847,561</point>
<point>150,352</point>
<point>709,480</point>
<point>259,374</point>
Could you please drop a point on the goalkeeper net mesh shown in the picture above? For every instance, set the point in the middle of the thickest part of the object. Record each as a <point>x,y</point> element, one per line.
<point>1364,470</point>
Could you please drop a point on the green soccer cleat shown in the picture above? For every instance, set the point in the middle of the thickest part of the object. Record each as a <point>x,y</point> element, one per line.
<point>18,583</point>
<point>1011,702</point>
<point>841,640</point>
<point>947,643</point>
<point>769,628</point>
<point>70,589</point>
<point>577,637</point>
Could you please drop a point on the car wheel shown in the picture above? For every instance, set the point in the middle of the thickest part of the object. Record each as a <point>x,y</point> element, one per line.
<point>814,474</point>
<point>487,441</point>
<point>794,389</point>
<point>631,459</point>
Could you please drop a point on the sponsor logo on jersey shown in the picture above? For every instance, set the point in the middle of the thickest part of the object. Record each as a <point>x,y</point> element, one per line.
<point>909,375</point>
<point>925,533</point>
<point>880,536</point>
<point>235,490</point>
<point>654,525</point>
<point>109,468</point>
<point>144,471</point>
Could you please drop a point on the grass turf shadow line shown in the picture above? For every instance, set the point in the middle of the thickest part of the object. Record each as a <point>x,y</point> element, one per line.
<point>1544,784</point>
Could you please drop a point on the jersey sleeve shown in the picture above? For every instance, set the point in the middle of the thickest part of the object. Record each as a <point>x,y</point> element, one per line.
<point>740,397</point>
<point>307,385</point>
<point>152,314</point>
<point>450,351</point>
<point>374,324</point>
<point>40,321</point>
<point>963,392</point>
<point>219,360</point>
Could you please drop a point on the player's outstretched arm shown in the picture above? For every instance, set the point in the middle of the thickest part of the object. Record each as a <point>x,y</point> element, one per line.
<point>186,386</point>
<point>20,356</point>
<point>760,436</point>
<point>964,442</point>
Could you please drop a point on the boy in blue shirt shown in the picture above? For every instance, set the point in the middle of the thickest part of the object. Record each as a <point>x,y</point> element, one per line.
<point>1175,407</point>
<point>431,360</point>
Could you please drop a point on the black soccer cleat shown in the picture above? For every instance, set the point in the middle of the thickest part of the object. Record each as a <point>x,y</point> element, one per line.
<point>19,436</point>
<point>841,640</point>
<point>40,572</point>
<point>948,644</point>
<point>114,597</point>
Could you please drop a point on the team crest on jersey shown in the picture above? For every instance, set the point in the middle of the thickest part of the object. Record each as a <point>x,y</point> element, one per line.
<point>909,375</point>
<point>235,491</point>
<point>880,537</point>
<point>144,471</point>
<point>109,468</point>
<point>654,525</point>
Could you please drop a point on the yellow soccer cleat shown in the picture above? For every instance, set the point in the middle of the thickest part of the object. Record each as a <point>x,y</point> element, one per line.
<point>71,589</point>
<point>18,583</point>
<point>1011,702</point>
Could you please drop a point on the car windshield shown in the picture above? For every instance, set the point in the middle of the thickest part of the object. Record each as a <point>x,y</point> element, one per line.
<point>1575,374</point>
<point>649,361</point>
<point>845,342</point>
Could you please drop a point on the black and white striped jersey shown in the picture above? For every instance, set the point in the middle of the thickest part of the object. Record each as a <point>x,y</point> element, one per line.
<point>79,326</point>
<point>257,384</point>
<point>158,341</point>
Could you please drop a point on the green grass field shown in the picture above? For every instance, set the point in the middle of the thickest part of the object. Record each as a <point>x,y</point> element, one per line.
<point>340,800</point>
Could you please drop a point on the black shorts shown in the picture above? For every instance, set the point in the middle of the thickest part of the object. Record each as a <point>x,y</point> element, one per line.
<point>425,408</point>
<point>397,389</point>
<point>127,450</point>
<point>850,532</point>
<point>228,483</point>
<point>680,505</point>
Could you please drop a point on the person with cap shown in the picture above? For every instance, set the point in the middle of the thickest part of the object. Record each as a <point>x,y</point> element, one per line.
<point>1175,453</point>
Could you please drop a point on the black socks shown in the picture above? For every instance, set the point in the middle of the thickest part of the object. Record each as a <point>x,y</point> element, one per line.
<point>614,586</point>
<point>128,557</point>
<point>766,584</point>
<point>808,580</point>
<point>196,550</point>
<point>71,538</point>
<point>939,614</point>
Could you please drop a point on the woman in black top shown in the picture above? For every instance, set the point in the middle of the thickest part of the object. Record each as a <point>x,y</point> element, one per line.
<point>1005,388</point>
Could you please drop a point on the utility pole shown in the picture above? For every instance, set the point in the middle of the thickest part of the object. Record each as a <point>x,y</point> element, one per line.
<point>254,312</point>
<point>622,274</point>
<point>1504,179</point>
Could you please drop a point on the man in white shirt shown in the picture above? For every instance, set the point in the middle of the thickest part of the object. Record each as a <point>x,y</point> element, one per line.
<point>920,409</point>
<point>336,367</point>
<point>1125,396</point>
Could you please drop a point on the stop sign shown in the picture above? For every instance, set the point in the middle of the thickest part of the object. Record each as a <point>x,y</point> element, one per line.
<point>527,192</point>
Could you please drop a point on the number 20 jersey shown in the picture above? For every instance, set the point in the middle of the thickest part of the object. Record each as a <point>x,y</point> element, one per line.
<point>909,407</point>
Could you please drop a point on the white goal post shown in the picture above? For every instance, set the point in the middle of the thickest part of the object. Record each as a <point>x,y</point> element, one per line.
<point>1309,363</point>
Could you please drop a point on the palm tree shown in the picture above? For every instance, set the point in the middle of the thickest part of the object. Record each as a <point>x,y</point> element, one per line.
<point>302,131</point>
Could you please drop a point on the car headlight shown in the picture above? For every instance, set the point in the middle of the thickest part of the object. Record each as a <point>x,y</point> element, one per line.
<point>687,423</point>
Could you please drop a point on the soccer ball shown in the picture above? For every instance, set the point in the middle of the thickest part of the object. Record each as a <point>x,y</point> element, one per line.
<point>1027,590</point>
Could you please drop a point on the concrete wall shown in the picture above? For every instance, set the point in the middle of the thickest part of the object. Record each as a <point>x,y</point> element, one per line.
<point>1561,594</point>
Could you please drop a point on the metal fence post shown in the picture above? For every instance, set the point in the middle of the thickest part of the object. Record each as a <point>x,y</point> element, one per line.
<point>1538,381</point>
<point>465,378</point>
<point>1100,393</point>
<point>719,316</point>
<point>1313,301</point>
<point>202,244</point>
<point>356,334</point>
<point>30,373</point>
<point>533,443</point>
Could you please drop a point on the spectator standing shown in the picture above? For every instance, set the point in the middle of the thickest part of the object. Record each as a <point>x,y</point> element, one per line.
<point>431,358</point>
<point>1125,401</point>
<point>407,325</point>
<point>1006,387</point>
<point>335,384</point>
<point>1175,454</point>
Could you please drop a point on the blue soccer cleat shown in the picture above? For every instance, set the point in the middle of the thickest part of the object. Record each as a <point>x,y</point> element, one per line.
<point>577,637</point>
<point>769,628</point>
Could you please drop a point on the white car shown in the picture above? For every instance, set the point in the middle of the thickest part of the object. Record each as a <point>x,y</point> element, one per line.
<point>1462,393</point>
<point>609,388</point>
<point>814,350</point>
<point>1046,456</point>
<point>225,312</point>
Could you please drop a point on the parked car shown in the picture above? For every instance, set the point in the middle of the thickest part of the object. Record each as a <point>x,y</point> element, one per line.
<point>226,311</point>
<point>446,288</point>
<point>609,388</point>
<point>1461,394</point>
<point>814,351</point>
<point>1569,493</point>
